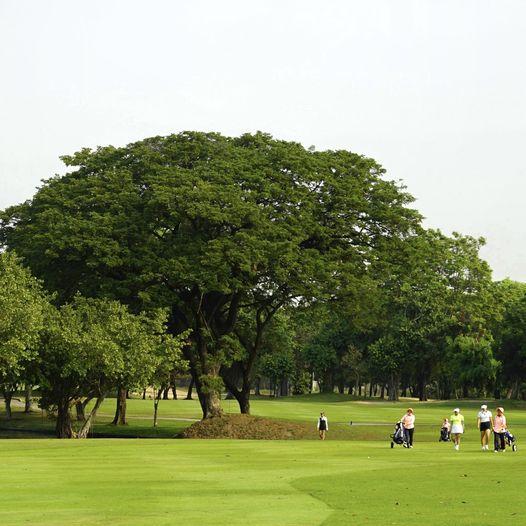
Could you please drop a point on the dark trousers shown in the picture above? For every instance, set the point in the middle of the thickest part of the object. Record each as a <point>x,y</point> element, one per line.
<point>408,436</point>
<point>500,442</point>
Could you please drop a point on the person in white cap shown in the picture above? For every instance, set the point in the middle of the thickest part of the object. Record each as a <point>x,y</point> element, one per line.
<point>484,424</point>
<point>457,427</point>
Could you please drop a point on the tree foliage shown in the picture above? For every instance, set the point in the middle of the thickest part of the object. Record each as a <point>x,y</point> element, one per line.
<point>91,345</point>
<point>23,306</point>
<point>205,224</point>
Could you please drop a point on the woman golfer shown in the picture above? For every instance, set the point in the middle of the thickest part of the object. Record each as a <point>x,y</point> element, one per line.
<point>457,426</point>
<point>484,424</point>
<point>323,425</point>
<point>499,429</point>
<point>408,421</point>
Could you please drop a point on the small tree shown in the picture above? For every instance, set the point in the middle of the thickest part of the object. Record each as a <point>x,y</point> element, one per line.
<point>22,314</point>
<point>90,346</point>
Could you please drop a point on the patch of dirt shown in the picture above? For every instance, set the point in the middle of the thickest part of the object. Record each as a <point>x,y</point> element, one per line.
<point>249,427</point>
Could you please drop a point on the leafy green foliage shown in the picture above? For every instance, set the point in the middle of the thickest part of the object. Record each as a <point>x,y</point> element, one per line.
<point>471,363</point>
<point>204,224</point>
<point>22,316</point>
<point>91,345</point>
<point>510,336</point>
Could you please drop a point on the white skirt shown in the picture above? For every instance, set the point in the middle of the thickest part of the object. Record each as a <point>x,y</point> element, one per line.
<point>457,429</point>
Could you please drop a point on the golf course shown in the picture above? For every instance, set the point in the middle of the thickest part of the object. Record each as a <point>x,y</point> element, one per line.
<point>353,477</point>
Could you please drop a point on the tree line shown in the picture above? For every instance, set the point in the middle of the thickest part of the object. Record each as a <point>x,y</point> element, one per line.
<point>249,256</point>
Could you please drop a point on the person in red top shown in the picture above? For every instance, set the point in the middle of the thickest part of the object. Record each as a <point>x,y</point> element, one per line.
<point>408,422</point>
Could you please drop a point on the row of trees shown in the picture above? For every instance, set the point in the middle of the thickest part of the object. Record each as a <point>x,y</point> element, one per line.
<point>416,359</point>
<point>78,352</point>
<point>251,244</point>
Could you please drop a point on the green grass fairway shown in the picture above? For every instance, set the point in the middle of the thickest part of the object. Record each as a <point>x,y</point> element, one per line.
<point>141,482</point>
<point>354,477</point>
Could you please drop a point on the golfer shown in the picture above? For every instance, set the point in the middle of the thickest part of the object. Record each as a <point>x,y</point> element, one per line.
<point>408,421</point>
<point>323,425</point>
<point>457,427</point>
<point>484,424</point>
<point>499,430</point>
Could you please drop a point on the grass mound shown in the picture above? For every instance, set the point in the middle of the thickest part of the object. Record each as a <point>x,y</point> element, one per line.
<point>248,427</point>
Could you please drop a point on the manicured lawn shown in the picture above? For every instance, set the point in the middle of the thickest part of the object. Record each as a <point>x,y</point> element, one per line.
<point>354,477</point>
<point>140,482</point>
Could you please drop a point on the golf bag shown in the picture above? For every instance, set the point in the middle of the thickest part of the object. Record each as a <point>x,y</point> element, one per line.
<point>398,435</point>
<point>510,440</point>
<point>445,435</point>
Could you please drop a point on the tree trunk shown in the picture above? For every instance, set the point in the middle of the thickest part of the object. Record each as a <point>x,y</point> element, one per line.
<point>207,387</point>
<point>190,389</point>
<point>328,382</point>
<point>515,390</point>
<point>394,382</point>
<point>85,429</point>
<point>156,400</point>
<point>242,395</point>
<point>284,387</point>
<point>257,389</point>
<point>8,395</point>
<point>120,409</point>
<point>444,388</point>
<point>421,388</point>
<point>79,407</point>
<point>63,428</point>
<point>27,399</point>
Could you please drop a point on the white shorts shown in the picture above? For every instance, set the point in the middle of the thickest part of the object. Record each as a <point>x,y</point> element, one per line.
<point>457,429</point>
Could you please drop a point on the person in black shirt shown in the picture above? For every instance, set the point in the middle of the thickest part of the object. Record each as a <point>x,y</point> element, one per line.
<point>323,425</point>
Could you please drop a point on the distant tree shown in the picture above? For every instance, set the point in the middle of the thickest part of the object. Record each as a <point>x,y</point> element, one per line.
<point>510,338</point>
<point>472,364</point>
<point>439,289</point>
<point>276,360</point>
<point>22,316</point>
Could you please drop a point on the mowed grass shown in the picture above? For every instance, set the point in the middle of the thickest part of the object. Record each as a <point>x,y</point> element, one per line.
<point>353,477</point>
<point>138,482</point>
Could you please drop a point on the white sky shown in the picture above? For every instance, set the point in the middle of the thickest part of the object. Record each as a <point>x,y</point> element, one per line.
<point>434,90</point>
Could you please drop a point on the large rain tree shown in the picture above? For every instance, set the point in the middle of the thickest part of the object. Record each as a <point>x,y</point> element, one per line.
<point>207,225</point>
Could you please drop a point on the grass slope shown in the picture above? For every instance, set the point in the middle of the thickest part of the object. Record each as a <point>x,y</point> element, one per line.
<point>224,482</point>
<point>353,477</point>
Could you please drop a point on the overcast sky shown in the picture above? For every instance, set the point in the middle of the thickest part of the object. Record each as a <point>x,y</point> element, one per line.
<point>434,90</point>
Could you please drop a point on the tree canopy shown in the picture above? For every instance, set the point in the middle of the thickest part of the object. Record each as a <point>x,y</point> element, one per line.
<point>207,225</point>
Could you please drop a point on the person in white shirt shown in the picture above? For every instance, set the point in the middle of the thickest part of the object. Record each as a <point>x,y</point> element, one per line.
<point>323,425</point>
<point>484,424</point>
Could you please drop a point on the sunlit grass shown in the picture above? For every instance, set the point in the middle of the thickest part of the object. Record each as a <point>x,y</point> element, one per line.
<point>224,482</point>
